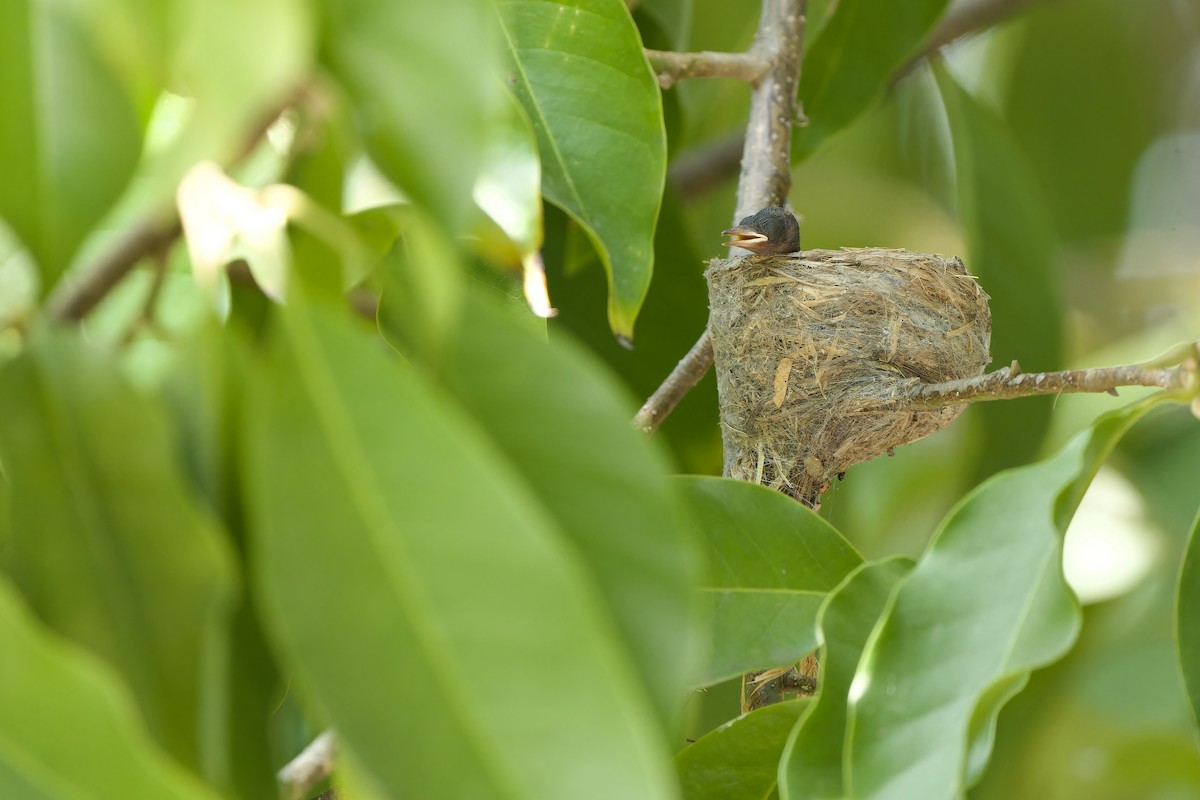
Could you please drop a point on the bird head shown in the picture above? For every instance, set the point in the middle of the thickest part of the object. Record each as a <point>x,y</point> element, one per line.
<point>771,231</point>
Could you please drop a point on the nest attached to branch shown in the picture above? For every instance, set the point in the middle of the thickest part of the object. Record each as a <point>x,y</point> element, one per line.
<point>808,346</point>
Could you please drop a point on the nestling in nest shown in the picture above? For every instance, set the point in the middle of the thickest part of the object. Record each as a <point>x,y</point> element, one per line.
<point>808,345</point>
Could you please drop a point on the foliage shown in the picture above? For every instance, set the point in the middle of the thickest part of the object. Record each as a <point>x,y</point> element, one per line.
<point>315,464</point>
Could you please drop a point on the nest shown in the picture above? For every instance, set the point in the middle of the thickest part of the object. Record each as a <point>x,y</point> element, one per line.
<point>808,347</point>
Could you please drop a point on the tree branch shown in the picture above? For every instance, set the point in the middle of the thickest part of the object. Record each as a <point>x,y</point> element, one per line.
<point>1010,382</point>
<point>687,373</point>
<point>766,174</point>
<point>73,301</point>
<point>670,67</point>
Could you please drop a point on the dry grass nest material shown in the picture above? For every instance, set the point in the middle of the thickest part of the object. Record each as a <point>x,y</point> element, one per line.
<point>807,346</point>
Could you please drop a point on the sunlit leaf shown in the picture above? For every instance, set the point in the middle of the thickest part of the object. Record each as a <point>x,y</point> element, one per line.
<point>740,759</point>
<point>772,562</point>
<point>106,542</point>
<point>850,63</point>
<point>812,762</point>
<point>453,610</point>
<point>71,137</point>
<point>68,728</point>
<point>1187,621</point>
<point>986,604</point>
<point>579,71</point>
<point>1011,249</point>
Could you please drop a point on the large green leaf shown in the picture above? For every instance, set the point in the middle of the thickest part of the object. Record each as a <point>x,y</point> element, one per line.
<point>106,542</point>
<point>850,63</point>
<point>811,766</point>
<point>1187,621</point>
<point>424,102</point>
<point>421,594</point>
<point>579,70</point>
<point>772,562</point>
<point>986,604</point>
<point>68,727</point>
<point>70,138</point>
<point>1011,249</point>
<point>205,392</point>
<point>564,431</point>
<point>739,760</point>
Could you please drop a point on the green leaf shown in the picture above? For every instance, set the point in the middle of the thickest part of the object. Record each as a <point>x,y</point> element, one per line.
<point>68,728</point>
<point>811,766</point>
<point>424,107</point>
<point>205,392</point>
<point>608,490</point>
<point>740,759</point>
<point>107,544</point>
<point>71,136</point>
<point>772,562</point>
<point>455,618</point>
<point>986,604</point>
<point>851,61</point>
<point>1011,249</point>
<point>579,70</point>
<point>1187,621</point>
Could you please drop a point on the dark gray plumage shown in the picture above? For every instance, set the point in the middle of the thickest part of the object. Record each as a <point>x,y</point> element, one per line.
<point>771,231</point>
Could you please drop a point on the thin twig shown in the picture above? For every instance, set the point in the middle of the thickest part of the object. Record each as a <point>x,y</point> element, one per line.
<point>73,301</point>
<point>670,67</point>
<point>1010,382</point>
<point>686,374</point>
<point>313,765</point>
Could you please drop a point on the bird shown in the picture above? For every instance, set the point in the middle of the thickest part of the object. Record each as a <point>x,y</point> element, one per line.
<point>771,231</point>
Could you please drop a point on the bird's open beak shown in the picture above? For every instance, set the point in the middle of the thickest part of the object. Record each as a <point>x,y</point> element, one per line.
<point>744,237</point>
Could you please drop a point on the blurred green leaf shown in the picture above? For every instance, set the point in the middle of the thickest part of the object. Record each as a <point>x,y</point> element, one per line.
<point>424,107</point>
<point>205,392</point>
<point>812,761</point>
<point>772,562</point>
<point>459,650</point>
<point>985,605</point>
<point>1187,621</point>
<point>1011,249</point>
<point>68,727</point>
<point>739,760</point>
<point>851,61</point>
<point>608,490</point>
<point>107,544</point>
<point>579,70</point>
<point>71,136</point>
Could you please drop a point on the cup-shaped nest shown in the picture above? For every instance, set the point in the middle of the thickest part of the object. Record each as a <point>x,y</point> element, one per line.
<point>811,350</point>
